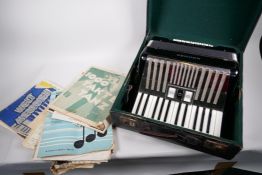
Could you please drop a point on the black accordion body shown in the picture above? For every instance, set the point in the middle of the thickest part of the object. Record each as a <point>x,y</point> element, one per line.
<point>184,92</point>
<point>187,86</point>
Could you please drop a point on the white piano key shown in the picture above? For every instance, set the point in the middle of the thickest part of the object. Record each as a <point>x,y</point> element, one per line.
<point>210,72</point>
<point>221,84</point>
<point>172,73</point>
<point>214,83</point>
<point>180,74</point>
<point>199,118</point>
<point>205,122</point>
<point>183,75</point>
<point>166,76</point>
<point>159,104</point>
<point>192,117</point>
<point>188,115</point>
<point>160,73</point>
<point>218,125</point>
<point>163,115</point>
<point>212,122</point>
<point>136,103</point>
<point>187,76</point>
<point>152,108</point>
<point>171,92</point>
<point>181,114</point>
<point>142,105</point>
<point>190,81</point>
<point>203,72</point>
<point>148,72</point>
<point>170,111</point>
<point>176,72</point>
<point>155,61</point>
<point>174,114</point>
<point>195,77</point>
<point>148,105</point>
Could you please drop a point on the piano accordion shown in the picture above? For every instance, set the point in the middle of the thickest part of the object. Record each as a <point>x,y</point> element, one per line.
<point>186,86</point>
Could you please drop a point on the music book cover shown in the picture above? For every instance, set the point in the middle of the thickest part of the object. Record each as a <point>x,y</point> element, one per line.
<point>20,114</point>
<point>90,98</point>
<point>62,138</point>
<point>37,125</point>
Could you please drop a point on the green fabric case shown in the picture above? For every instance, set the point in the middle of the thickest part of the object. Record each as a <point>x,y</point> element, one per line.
<point>221,23</point>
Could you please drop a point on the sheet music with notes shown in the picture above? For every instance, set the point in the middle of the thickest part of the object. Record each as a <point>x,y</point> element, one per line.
<point>65,138</point>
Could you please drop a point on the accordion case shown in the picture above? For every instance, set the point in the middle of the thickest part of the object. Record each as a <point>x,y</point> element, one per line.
<point>185,84</point>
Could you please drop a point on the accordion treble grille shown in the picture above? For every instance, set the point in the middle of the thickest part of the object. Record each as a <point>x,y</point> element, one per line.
<point>180,87</point>
<point>184,94</point>
<point>207,82</point>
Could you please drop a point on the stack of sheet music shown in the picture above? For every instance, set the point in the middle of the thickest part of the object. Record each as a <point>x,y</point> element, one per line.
<point>71,128</point>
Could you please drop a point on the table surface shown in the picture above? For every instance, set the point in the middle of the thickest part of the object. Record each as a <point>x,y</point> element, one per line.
<point>56,40</point>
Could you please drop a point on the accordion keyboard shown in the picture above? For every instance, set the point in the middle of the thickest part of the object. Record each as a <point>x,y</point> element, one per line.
<point>184,94</point>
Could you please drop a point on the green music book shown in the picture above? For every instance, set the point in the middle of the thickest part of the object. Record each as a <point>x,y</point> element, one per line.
<point>88,101</point>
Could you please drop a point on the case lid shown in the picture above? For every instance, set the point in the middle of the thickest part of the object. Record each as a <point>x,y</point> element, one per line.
<point>227,23</point>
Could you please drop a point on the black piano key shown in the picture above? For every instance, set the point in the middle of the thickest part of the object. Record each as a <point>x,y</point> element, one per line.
<point>152,107</point>
<point>181,114</point>
<point>174,113</point>
<point>168,106</point>
<point>137,102</point>
<point>188,115</point>
<point>178,111</point>
<point>145,106</point>
<point>157,101</point>
<point>196,114</point>
<point>199,118</point>
<point>142,104</point>
<point>164,109</point>
<point>184,117</point>
<point>148,106</point>
<point>209,121</point>
<point>170,112</point>
<point>202,120</point>
<point>161,109</point>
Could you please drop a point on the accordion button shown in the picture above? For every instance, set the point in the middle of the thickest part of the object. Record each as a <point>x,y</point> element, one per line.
<point>180,94</point>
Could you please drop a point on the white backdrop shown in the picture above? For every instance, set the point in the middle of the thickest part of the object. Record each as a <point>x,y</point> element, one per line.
<point>56,39</point>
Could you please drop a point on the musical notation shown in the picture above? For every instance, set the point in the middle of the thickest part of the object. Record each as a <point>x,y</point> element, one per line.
<point>89,138</point>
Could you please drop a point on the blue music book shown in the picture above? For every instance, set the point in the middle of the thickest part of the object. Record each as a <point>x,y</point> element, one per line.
<point>60,137</point>
<point>25,109</point>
